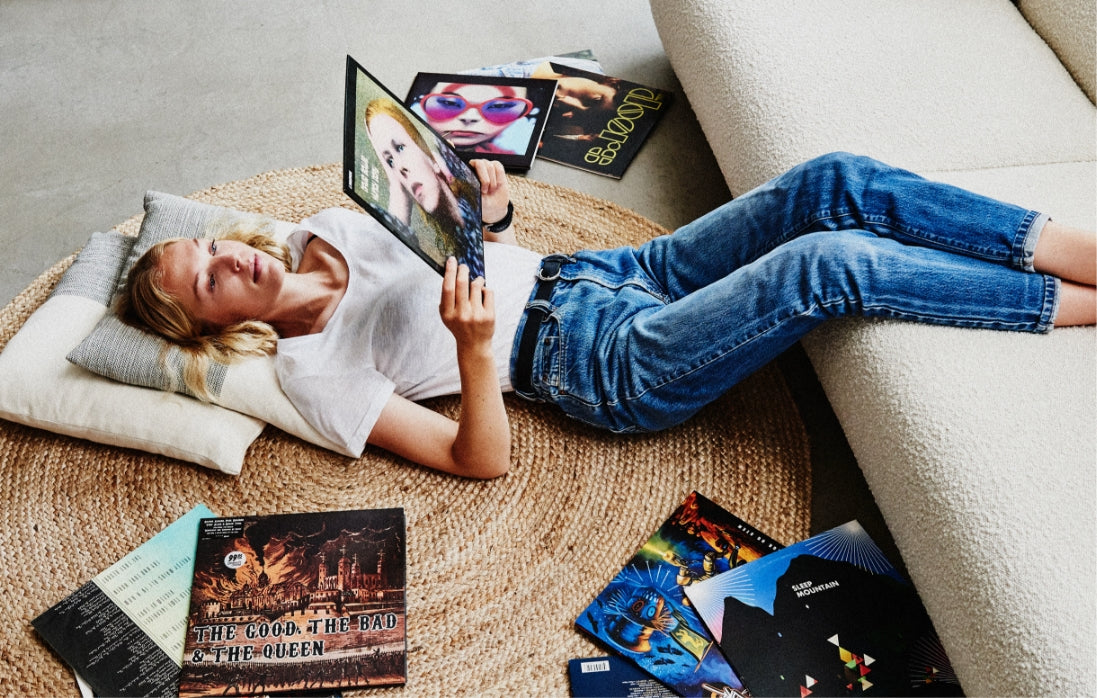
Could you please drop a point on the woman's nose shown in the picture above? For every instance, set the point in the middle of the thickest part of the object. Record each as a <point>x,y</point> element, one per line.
<point>230,263</point>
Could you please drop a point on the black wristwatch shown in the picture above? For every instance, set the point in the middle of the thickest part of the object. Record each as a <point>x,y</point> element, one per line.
<point>501,224</point>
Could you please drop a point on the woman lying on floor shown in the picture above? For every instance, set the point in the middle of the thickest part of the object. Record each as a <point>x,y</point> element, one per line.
<point>629,339</point>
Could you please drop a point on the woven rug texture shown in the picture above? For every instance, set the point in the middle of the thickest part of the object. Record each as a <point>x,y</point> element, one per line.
<point>497,571</point>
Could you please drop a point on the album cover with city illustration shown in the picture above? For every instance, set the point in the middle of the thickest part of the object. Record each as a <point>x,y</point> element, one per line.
<point>297,602</point>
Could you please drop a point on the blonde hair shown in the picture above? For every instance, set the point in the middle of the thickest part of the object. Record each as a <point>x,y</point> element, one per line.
<point>387,107</point>
<point>143,303</point>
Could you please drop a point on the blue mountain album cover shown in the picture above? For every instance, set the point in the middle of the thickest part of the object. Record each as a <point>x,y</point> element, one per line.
<point>828,616</point>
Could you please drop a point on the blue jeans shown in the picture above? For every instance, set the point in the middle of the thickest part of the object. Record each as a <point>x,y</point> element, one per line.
<point>641,339</point>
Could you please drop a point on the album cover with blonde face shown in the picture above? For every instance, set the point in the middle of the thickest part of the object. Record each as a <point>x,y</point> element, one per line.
<point>408,177</point>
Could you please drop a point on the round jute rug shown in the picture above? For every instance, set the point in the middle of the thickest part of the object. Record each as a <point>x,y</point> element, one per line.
<point>497,571</point>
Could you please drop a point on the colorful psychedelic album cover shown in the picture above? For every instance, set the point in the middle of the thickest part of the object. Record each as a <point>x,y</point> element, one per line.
<point>404,174</point>
<point>500,118</point>
<point>643,614</point>
<point>828,616</point>
<point>297,603</point>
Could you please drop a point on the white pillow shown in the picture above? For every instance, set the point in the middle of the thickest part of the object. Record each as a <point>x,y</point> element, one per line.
<point>116,350</point>
<point>39,388</point>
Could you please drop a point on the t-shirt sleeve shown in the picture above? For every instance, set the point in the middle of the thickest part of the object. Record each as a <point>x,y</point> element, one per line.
<point>344,408</point>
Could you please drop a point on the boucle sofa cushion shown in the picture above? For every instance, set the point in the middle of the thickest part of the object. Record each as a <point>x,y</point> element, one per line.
<point>1069,28</point>
<point>985,474</point>
<point>978,446</point>
<point>927,85</point>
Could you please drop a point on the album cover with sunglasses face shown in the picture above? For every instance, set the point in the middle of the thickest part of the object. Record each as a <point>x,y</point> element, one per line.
<point>484,116</point>
<point>408,177</point>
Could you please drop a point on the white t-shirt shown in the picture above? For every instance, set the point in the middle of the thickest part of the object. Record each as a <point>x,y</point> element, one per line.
<point>386,335</point>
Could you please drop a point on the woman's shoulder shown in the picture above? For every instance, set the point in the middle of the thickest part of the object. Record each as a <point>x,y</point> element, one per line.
<point>337,218</point>
<point>339,227</point>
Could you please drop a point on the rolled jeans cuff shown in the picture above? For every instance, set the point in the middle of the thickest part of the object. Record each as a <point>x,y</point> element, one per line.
<point>1024,248</point>
<point>1051,304</point>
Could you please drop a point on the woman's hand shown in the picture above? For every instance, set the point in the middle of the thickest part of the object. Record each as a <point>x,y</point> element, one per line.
<point>494,197</point>
<point>467,309</point>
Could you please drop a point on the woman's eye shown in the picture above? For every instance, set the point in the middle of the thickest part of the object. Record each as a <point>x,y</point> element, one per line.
<point>212,282</point>
<point>213,247</point>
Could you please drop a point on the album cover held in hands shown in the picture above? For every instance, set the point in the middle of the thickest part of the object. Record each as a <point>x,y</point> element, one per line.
<point>297,602</point>
<point>482,116</point>
<point>644,615</point>
<point>408,177</point>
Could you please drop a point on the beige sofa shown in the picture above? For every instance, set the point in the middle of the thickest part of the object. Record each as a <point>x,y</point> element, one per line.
<point>979,447</point>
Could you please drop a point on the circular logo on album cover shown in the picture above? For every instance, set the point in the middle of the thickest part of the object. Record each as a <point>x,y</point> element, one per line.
<point>235,560</point>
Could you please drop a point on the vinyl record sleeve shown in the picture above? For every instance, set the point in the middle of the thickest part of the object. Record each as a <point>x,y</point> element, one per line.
<point>408,177</point>
<point>643,614</point>
<point>297,602</point>
<point>474,114</point>
<point>827,616</point>
<point>122,632</point>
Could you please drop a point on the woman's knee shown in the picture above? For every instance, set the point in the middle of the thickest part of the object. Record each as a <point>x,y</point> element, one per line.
<point>843,166</point>
<point>824,264</point>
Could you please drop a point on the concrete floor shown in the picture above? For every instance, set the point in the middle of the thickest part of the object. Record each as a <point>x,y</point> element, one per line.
<point>103,99</point>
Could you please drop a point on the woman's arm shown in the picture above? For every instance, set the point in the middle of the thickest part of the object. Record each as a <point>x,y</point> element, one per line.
<point>478,443</point>
<point>494,198</point>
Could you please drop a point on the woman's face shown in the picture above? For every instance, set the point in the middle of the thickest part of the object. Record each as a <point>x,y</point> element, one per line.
<point>406,163</point>
<point>220,282</point>
<point>467,127</point>
<point>576,96</point>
